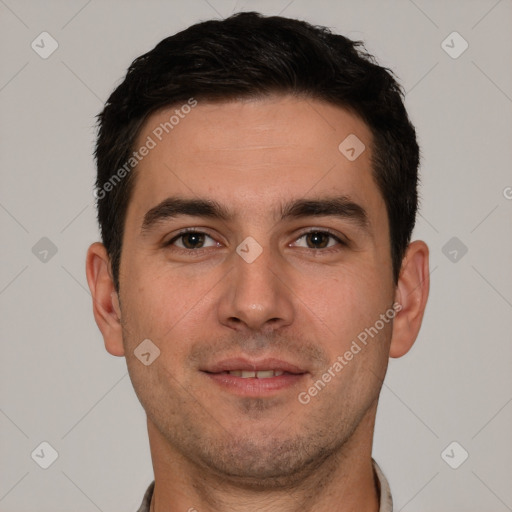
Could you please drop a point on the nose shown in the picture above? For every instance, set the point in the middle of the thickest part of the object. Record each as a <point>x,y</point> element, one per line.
<point>256,296</point>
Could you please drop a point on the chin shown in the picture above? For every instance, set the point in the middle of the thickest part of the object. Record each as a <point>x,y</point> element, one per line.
<point>264,463</point>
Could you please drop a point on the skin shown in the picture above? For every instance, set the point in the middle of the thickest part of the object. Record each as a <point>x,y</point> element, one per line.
<point>299,301</point>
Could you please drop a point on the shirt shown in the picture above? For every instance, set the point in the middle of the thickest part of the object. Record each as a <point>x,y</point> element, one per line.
<point>386,502</point>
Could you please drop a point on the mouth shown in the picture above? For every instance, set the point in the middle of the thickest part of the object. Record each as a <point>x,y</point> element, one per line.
<point>248,378</point>
<point>261,374</point>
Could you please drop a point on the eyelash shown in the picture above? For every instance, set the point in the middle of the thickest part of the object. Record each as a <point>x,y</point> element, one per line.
<point>340,242</point>
<point>186,232</point>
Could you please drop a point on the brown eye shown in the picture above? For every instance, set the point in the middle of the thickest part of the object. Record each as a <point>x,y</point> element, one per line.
<point>317,240</point>
<point>192,240</point>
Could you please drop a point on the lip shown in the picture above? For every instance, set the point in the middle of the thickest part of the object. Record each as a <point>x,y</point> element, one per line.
<point>253,386</point>
<point>241,363</point>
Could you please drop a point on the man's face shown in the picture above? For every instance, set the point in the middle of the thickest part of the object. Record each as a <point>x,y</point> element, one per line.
<point>213,304</point>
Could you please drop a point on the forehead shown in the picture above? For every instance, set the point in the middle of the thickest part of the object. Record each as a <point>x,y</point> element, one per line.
<point>251,154</point>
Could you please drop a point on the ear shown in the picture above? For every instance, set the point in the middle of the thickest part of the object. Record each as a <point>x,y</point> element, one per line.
<point>105,301</point>
<point>411,293</point>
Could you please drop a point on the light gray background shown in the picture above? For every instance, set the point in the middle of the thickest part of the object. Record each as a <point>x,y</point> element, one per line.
<point>58,384</point>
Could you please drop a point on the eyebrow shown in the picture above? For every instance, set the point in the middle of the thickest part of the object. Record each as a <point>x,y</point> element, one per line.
<point>172,207</point>
<point>340,207</point>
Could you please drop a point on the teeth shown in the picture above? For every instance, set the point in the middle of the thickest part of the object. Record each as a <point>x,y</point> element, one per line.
<point>265,374</point>
<point>262,374</point>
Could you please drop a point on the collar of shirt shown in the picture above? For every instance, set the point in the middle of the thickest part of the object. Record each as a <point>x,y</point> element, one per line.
<point>386,501</point>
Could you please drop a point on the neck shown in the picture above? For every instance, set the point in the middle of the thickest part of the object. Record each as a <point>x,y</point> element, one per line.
<point>343,481</point>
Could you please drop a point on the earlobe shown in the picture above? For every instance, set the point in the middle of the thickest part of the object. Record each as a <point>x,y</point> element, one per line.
<point>412,294</point>
<point>106,307</point>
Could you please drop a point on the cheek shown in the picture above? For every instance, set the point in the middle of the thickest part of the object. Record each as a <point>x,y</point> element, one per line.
<point>348,301</point>
<point>164,306</point>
